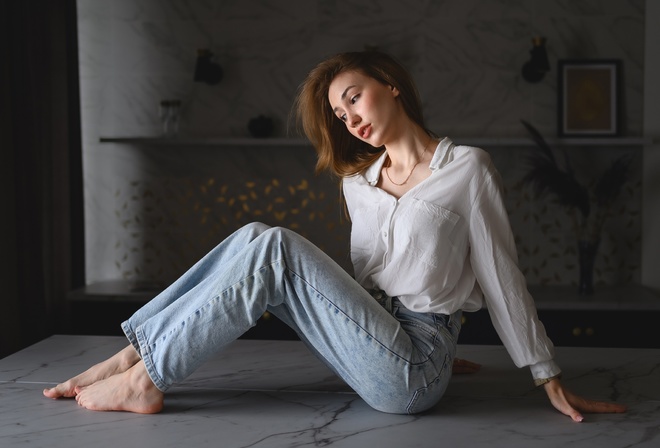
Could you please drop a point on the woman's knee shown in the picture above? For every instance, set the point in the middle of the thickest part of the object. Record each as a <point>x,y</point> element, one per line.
<point>256,228</point>
<point>279,234</point>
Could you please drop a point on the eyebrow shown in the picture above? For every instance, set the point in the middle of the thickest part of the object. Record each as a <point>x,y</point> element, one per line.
<point>343,95</point>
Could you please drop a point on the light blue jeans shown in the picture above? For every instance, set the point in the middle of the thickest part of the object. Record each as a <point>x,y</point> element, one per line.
<point>397,360</point>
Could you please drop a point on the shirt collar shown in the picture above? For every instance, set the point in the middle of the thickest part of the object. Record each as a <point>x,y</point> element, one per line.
<point>372,174</point>
<point>440,159</point>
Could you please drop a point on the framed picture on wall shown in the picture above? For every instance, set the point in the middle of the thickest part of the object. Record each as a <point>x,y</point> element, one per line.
<point>589,97</point>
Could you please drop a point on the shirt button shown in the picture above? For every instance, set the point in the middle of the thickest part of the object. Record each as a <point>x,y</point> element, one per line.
<point>385,234</point>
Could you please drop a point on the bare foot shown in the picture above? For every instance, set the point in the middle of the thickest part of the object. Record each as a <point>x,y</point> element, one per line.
<point>131,391</point>
<point>118,363</point>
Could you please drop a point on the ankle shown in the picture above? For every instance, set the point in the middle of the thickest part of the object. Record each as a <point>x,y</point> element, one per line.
<point>129,357</point>
<point>140,377</point>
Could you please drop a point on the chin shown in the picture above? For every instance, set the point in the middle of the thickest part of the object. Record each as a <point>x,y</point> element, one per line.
<point>372,141</point>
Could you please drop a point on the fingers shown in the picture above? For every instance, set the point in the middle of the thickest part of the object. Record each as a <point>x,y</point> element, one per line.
<point>465,366</point>
<point>573,405</point>
<point>574,414</point>
<point>596,407</point>
<point>576,417</point>
<point>558,398</point>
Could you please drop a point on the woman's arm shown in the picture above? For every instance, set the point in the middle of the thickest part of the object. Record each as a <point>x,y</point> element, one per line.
<point>572,405</point>
<point>494,261</point>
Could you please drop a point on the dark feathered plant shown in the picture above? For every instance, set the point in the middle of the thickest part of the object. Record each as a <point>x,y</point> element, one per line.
<point>547,176</point>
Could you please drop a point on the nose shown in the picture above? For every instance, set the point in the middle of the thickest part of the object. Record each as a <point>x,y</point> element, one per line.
<point>353,120</point>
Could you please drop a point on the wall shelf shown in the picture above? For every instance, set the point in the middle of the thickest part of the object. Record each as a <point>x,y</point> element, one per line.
<point>280,142</point>
<point>185,141</point>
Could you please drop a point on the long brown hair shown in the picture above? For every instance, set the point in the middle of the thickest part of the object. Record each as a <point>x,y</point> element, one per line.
<point>338,151</point>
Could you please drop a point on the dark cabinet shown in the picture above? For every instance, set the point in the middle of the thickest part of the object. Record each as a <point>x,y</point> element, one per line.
<point>577,328</point>
<point>614,316</point>
<point>620,316</point>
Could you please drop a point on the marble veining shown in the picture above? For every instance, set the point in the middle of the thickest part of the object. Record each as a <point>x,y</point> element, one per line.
<point>276,394</point>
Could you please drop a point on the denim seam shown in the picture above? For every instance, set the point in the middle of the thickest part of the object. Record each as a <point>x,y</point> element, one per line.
<point>321,295</point>
<point>447,360</point>
<point>427,356</point>
<point>130,335</point>
<point>223,294</point>
<point>148,361</point>
<point>263,267</point>
<point>145,350</point>
<point>418,392</point>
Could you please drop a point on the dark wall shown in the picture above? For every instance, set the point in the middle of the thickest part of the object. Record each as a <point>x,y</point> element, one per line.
<point>41,237</point>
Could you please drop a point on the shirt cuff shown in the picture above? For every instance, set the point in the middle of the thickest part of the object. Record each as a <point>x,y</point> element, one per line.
<point>541,381</point>
<point>544,369</point>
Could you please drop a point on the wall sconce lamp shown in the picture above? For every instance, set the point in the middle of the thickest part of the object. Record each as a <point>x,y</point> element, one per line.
<point>205,69</point>
<point>535,69</point>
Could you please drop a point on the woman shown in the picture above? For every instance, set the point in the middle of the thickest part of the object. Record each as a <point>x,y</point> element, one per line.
<point>430,238</point>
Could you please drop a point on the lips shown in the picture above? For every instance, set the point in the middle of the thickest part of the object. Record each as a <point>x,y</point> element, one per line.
<point>364,131</point>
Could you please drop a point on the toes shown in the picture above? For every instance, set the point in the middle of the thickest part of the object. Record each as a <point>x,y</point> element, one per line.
<point>61,390</point>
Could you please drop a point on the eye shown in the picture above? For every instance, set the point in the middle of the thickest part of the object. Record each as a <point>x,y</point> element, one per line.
<point>354,98</point>
<point>342,117</point>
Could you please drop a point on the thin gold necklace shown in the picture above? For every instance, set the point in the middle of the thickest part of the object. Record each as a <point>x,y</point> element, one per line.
<point>387,168</point>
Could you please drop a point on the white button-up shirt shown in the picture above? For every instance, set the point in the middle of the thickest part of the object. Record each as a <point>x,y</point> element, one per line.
<point>447,245</point>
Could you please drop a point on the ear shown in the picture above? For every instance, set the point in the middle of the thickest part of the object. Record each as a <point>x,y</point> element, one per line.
<point>395,91</point>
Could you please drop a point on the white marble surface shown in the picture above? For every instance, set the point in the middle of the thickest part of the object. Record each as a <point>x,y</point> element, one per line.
<point>275,394</point>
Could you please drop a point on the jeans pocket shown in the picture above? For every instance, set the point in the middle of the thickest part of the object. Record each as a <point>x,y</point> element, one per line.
<point>422,328</point>
<point>428,396</point>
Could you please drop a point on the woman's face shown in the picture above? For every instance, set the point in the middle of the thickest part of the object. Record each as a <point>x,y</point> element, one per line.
<point>369,108</point>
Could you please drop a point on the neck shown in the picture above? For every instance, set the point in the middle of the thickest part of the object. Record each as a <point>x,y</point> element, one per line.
<point>408,151</point>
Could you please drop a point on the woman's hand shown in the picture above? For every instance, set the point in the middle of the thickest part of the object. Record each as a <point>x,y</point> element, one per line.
<point>465,366</point>
<point>573,406</point>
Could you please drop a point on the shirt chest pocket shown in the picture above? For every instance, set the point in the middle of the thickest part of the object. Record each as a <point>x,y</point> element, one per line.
<point>433,234</point>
